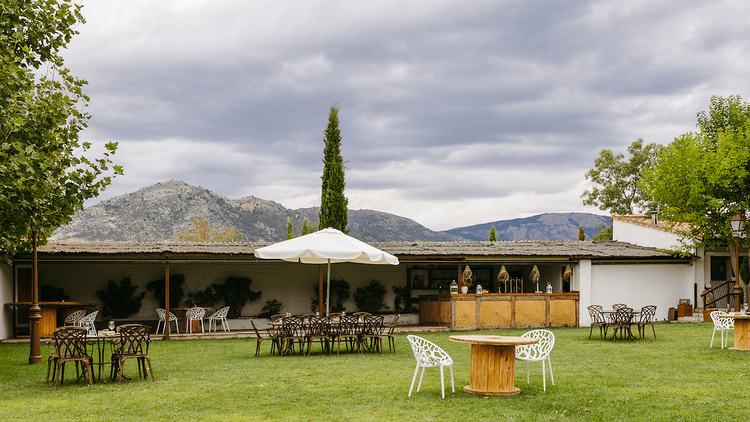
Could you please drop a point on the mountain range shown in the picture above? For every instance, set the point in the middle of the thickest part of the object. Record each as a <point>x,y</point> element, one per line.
<point>159,212</point>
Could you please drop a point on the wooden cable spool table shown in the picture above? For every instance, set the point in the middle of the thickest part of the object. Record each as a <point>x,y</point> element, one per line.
<point>493,363</point>
<point>741,330</point>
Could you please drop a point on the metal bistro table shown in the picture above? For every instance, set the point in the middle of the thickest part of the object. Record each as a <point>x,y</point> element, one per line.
<point>106,340</point>
<point>493,363</point>
<point>741,330</point>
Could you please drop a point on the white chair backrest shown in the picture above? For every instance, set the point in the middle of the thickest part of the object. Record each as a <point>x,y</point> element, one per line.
<point>428,353</point>
<point>74,317</point>
<point>162,314</point>
<point>89,319</point>
<point>221,313</point>
<point>540,350</point>
<point>195,313</point>
<point>722,323</point>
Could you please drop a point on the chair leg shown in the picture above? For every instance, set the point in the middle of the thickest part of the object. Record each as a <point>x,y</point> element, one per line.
<point>413,379</point>
<point>453,385</point>
<point>527,373</point>
<point>442,382</point>
<point>712,338</point>
<point>419,386</point>
<point>544,377</point>
<point>551,376</point>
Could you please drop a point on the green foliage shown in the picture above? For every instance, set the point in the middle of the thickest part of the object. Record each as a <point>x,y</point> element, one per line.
<point>289,233</point>
<point>120,301</point>
<point>744,268</point>
<point>605,232</point>
<point>203,231</point>
<point>371,298</point>
<point>333,203</point>
<point>176,292</point>
<point>204,298</point>
<point>272,307</point>
<point>340,291</point>
<point>235,293</point>
<point>49,293</point>
<point>581,233</point>
<point>493,235</point>
<point>308,228</point>
<point>44,176</point>
<point>403,295</point>
<point>619,190</point>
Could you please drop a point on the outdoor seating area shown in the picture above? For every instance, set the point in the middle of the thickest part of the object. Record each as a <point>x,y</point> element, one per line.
<point>360,332</point>
<point>621,319</point>
<point>86,350</point>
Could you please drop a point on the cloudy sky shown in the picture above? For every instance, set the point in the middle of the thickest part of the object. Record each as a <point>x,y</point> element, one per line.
<point>453,113</point>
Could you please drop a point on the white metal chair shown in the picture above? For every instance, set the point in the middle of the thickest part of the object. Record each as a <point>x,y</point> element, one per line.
<point>429,355</point>
<point>220,315</point>
<point>163,320</point>
<point>73,318</point>
<point>721,324</point>
<point>194,314</point>
<point>537,352</point>
<point>87,322</point>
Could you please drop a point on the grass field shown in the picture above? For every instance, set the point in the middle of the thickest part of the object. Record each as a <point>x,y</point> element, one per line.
<point>675,378</point>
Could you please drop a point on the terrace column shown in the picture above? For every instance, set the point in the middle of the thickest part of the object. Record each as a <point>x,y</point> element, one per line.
<point>583,280</point>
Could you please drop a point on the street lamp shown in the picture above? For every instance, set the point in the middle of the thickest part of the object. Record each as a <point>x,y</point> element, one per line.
<point>738,228</point>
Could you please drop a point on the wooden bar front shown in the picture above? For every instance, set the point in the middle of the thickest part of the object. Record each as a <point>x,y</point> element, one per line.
<point>493,310</point>
<point>48,323</point>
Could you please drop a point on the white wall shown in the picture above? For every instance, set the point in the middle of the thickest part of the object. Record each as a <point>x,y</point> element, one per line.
<point>638,285</point>
<point>289,283</point>
<point>644,235</point>
<point>6,296</point>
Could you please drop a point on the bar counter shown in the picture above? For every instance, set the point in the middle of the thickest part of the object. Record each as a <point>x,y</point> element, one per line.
<point>493,310</point>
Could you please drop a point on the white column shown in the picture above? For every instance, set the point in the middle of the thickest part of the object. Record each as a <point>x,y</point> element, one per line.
<point>583,280</point>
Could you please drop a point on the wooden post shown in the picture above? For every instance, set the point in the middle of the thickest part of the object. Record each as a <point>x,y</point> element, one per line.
<point>166,301</point>
<point>35,351</point>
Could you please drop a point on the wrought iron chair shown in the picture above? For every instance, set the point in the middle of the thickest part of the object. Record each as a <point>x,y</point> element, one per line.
<point>133,343</point>
<point>318,329</point>
<point>389,333</point>
<point>722,325</point>
<point>618,306</point>
<point>70,346</point>
<point>220,315</point>
<point>349,330</point>
<point>292,331</point>
<point>372,333</point>
<point>429,355</point>
<point>646,317</point>
<point>162,313</point>
<point>72,319</point>
<point>622,321</point>
<point>194,314</point>
<point>537,352</point>
<point>261,335</point>
<point>87,322</point>
<point>598,320</point>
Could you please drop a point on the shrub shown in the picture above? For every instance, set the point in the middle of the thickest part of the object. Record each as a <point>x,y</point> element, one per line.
<point>235,293</point>
<point>49,293</point>
<point>120,301</point>
<point>403,295</point>
<point>272,307</point>
<point>340,291</point>
<point>371,298</point>
<point>176,292</point>
<point>204,298</point>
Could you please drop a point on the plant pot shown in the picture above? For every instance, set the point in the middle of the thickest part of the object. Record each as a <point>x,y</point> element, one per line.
<point>464,289</point>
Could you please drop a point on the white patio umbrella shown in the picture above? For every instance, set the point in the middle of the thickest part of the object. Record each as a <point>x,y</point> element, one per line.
<point>325,247</point>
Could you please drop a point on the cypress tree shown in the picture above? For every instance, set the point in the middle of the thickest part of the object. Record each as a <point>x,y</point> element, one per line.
<point>493,235</point>
<point>581,233</point>
<point>289,234</point>
<point>333,203</point>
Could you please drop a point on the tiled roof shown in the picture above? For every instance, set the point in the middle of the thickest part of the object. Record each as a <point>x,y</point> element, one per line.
<point>403,250</point>
<point>646,221</point>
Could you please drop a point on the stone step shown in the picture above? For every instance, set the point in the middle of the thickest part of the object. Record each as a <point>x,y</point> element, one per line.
<point>694,318</point>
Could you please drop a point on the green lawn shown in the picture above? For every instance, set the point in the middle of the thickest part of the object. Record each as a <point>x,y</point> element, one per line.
<point>675,378</point>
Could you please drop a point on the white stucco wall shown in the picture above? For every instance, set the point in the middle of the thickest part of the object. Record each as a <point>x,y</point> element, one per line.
<point>644,236</point>
<point>6,296</point>
<point>638,285</point>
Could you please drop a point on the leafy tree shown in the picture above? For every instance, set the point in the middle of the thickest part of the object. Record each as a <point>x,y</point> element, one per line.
<point>289,233</point>
<point>44,176</point>
<point>605,232</point>
<point>203,231</point>
<point>333,203</point>
<point>235,293</point>
<point>340,291</point>
<point>703,178</point>
<point>619,191</point>
<point>581,233</point>
<point>120,301</point>
<point>493,235</point>
<point>203,298</point>
<point>176,291</point>
<point>271,308</point>
<point>307,228</point>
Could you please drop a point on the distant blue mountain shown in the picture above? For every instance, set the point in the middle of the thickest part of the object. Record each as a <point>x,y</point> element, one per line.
<point>551,226</point>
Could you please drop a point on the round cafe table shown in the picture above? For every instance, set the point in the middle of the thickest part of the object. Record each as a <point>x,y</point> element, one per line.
<point>493,363</point>
<point>741,330</point>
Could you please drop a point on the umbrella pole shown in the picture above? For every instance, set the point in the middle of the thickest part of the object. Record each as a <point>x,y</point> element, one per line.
<point>328,290</point>
<point>320,288</point>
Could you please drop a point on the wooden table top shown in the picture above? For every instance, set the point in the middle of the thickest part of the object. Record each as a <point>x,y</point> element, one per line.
<point>493,340</point>
<point>738,315</point>
<point>55,304</point>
